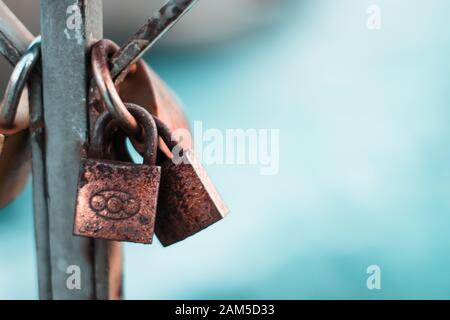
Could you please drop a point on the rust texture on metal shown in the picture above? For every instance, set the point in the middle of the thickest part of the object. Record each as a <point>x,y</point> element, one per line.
<point>188,200</point>
<point>113,201</point>
<point>145,88</point>
<point>117,200</point>
<point>155,27</point>
<point>105,84</point>
<point>141,86</point>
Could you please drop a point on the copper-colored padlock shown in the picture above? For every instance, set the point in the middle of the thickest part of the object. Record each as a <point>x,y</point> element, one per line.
<point>188,201</point>
<point>117,200</point>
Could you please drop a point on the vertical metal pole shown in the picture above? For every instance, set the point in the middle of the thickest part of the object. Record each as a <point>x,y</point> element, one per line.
<point>68,28</point>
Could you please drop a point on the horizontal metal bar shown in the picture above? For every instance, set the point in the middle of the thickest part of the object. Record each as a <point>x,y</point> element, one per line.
<point>149,33</point>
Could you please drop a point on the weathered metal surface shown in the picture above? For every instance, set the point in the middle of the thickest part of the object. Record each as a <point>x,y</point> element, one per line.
<point>41,226</point>
<point>65,55</point>
<point>117,200</point>
<point>141,86</point>
<point>160,100</point>
<point>100,53</point>
<point>155,27</point>
<point>136,82</point>
<point>188,200</point>
<point>144,87</point>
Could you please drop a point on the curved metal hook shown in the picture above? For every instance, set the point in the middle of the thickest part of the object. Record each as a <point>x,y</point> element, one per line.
<point>145,119</point>
<point>16,84</point>
<point>105,84</point>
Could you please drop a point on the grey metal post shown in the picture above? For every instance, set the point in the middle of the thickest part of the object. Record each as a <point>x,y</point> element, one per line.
<point>68,28</point>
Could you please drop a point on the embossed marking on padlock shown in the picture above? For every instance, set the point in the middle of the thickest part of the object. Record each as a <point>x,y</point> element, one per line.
<point>114,204</point>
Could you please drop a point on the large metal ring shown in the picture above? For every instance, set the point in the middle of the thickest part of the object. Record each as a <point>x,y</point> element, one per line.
<point>105,84</point>
<point>16,84</point>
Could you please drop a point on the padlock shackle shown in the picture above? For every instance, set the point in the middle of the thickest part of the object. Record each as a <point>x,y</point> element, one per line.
<point>165,133</point>
<point>104,127</point>
<point>100,54</point>
<point>144,118</point>
<point>15,87</point>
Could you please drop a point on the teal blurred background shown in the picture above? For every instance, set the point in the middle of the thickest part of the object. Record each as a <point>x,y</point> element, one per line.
<point>364,162</point>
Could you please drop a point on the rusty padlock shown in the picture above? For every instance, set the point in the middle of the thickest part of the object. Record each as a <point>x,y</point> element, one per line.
<point>117,200</point>
<point>188,200</point>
